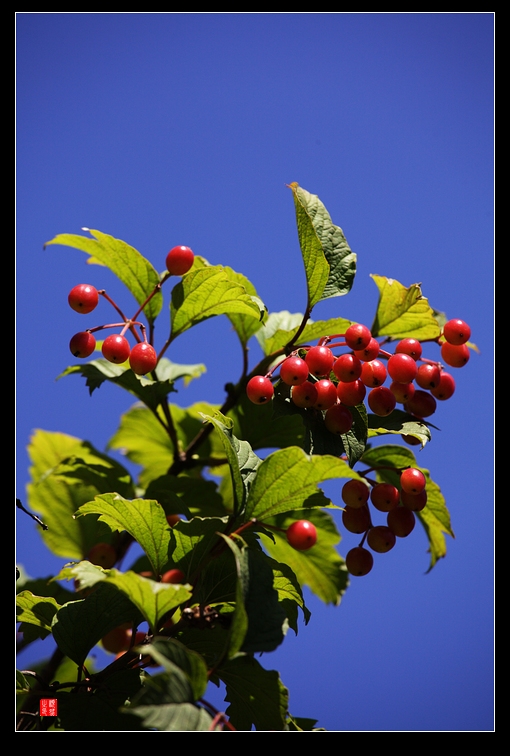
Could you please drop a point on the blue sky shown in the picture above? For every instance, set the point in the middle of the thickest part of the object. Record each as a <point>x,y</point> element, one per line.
<point>166,129</point>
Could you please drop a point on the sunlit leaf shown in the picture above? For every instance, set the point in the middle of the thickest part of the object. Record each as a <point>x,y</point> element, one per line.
<point>124,261</point>
<point>330,264</point>
<point>403,312</point>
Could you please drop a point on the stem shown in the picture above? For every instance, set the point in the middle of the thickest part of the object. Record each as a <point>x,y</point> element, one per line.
<point>117,308</point>
<point>306,318</point>
<point>153,293</point>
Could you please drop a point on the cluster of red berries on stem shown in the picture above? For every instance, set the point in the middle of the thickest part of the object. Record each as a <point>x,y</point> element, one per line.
<point>398,505</point>
<point>331,383</point>
<point>143,358</point>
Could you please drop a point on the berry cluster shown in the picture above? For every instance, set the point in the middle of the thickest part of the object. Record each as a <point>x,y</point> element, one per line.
<point>331,383</point>
<point>142,357</point>
<point>398,505</point>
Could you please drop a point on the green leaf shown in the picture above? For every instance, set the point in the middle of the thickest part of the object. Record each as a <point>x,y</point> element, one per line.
<point>144,441</point>
<point>36,610</point>
<point>288,478</point>
<point>137,273</point>
<point>100,710</point>
<point>183,717</point>
<point>184,677</point>
<point>256,695</point>
<point>245,325</point>
<point>191,543</point>
<point>143,519</point>
<point>289,592</point>
<point>56,497</point>
<point>151,392</point>
<point>267,618</point>
<point>435,518</point>
<point>209,291</point>
<point>154,600</point>
<point>262,428</point>
<point>239,625</point>
<point>281,327</point>
<point>187,496</point>
<point>320,568</point>
<point>79,625</point>
<point>403,312</point>
<point>242,460</point>
<point>401,423</point>
<point>330,264</point>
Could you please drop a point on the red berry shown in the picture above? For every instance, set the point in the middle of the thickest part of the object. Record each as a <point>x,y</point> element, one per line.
<point>83,298</point>
<point>428,376</point>
<point>326,394</point>
<point>370,352</point>
<point>355,493</point>
<point>373,373</point>
<point>259,389</point>
<point>381,401</point>
<point>412,481</point>
<point>338,419</point>
<point>356,519</point>
<point>293,371</point>
<point>421,404</point>
<point>402,368</point>
<point>412,502</point>
<point>402,391</point>
<point>143,358</point>
<point>319,360</point>
<point>411,440</point>
<point>401,521</point>
<point>82,344</point>
<point>179,260</point>
<point>453,355</point>
<point>359,561</point>
<point>456,332</point>
<point>103,555</point>
<point>384,497</point>
<point>351,393</point>
<point>347,368</point>
<point>412,347</point>
<point>302,535</point>
<point>173,576</point>
<point>115,349</point>
<point>381,539</point>
<point>446,387</point>
<point>304,395</point>
<point>357,336</point>
<point>117,640</point>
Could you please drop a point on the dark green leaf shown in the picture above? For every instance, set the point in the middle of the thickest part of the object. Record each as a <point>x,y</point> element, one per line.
<point>79,625</point>
<point>256,695</point>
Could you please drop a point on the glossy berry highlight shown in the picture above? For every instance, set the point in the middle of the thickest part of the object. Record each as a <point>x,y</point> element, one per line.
<point>116,349</point>
<point>83,298</point>
<point>259,389</point>
<point>143,359</point>
<point>456,332</point>
<point>293,371</point>
<point>302,535</point>
<point>357,336</point>
<point>82,344</point>
<point>413,481</point>
<point>179,260</point>
<point>454,355</point>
